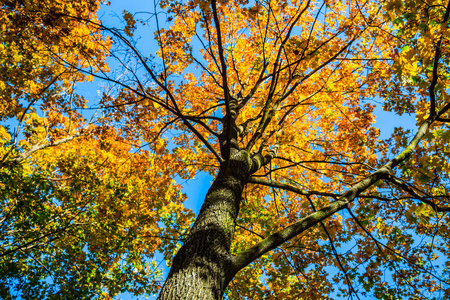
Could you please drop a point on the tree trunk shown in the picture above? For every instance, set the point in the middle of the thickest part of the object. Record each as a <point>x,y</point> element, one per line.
<point>203,266</point>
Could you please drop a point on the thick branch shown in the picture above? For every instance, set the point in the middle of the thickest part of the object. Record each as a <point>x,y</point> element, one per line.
<point>290,188</point>
<point>18,159</point>
<point>258,160</point>
<point>280,237</point>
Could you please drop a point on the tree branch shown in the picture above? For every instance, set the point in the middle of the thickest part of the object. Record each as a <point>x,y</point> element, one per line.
<point>413,193</point>
<point>273,241</point>
<point>175,109</point>
<point>290,188</point>
<point>230,113</point>
<point>18,159</point>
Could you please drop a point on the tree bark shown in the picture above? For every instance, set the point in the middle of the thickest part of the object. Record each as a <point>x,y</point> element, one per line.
<point>203,266</point>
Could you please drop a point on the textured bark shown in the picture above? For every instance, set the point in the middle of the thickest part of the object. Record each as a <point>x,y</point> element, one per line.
<point>203,266</point>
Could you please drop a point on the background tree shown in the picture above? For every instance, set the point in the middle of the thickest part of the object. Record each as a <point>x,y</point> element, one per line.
<point>73,223</point>
<point>272,99</point>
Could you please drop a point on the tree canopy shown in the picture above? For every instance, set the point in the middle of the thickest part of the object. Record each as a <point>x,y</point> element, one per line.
<point>273,99</point>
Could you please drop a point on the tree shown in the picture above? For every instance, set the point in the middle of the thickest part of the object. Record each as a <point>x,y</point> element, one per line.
<point>271,98</point>
<point>69,187</point>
